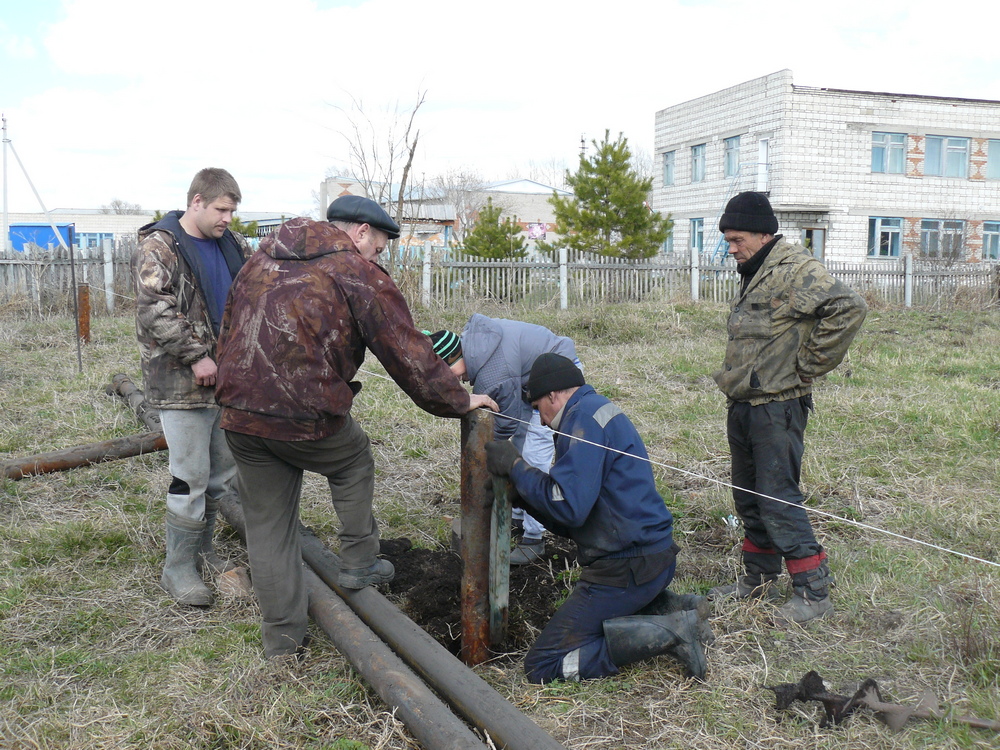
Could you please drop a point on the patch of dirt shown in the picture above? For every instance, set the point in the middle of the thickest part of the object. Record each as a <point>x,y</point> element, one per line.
<point>428,586</point>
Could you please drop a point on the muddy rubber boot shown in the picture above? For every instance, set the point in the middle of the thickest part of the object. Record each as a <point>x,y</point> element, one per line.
<point>810,597</point>
<point>749,586</point>
<point>208,557</point>
<point>667,602</point>
<point>638,637</point>
<point>759,581</point>
<point>181,578</point>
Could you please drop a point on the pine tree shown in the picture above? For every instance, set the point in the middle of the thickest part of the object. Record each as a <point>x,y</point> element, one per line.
<point>493,238</point>
<point>607,213</point>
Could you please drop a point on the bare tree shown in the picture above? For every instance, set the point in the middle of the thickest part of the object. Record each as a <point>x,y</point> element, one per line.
<point>382,148</point>
<point>118,206</point>
<point>465,191</point>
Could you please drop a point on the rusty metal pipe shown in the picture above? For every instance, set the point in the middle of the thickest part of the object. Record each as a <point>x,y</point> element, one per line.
<point>477,501</point>
<point>83,455</point>
<point>424,714</point>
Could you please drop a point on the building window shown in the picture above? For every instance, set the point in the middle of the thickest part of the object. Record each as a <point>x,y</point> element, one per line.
<point>884,237</point>
<point>942,239</point>
<point>698,163</point>
<point>888,152</point>
<point>668,168</point>
<point>993,160</point>
<point>668,244</point>
<point>731,154</point>
<point>946,157</point>
<point>698,234</point>
<point>991,240</point>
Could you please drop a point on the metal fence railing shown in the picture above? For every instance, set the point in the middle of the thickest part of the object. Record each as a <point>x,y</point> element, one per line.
<point>437,276</point>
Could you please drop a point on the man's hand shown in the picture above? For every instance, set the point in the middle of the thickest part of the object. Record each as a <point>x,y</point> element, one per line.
<point>205,371</point>
<point>479,400</point>
<point>501,455</point>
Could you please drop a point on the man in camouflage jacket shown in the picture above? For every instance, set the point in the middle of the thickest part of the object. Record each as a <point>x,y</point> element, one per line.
<point>790,323</point>
<point>182,269</point>
<point>301,314</point>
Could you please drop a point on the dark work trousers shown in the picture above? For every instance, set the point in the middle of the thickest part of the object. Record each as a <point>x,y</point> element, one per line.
<point>766,443</point>
<point>270,482</point>
<point>571,646</point>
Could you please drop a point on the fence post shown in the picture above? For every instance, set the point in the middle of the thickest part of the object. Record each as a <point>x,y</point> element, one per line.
<point>425,282</point>
<point>695,275</point>
<point>908,280</point>
<point>109,275</point>
<point>563,278</point>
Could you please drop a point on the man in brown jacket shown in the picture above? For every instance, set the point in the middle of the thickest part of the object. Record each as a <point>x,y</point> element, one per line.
<point>300,317</point>
<point>182,270</point>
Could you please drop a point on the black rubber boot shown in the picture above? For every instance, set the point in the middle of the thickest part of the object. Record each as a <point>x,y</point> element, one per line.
<point>667,602</point>
<point>638,637</point>
<point>181,578</point>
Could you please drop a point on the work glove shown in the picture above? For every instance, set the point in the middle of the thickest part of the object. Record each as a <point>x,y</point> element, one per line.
<point>501,455</point>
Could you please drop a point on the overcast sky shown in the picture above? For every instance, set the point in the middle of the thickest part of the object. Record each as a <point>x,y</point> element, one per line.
<point>122,99</point>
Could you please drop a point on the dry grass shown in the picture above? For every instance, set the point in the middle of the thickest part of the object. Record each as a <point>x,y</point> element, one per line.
<point>95,655</point>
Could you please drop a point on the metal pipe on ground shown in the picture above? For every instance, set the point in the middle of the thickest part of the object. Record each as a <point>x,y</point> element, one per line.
<point>423,713</point>
<point>123,386</point>
<point>83,455</point>
<point>467,693</point>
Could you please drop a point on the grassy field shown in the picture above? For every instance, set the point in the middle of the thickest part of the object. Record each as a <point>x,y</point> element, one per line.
<point>905,438</point>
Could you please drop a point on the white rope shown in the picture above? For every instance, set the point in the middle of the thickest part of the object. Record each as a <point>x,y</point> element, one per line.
<point>696,475</point>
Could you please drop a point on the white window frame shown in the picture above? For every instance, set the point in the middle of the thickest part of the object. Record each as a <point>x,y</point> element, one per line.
<point>888,153</point>
<point>991,240</point>
<point>731,156</point>
<point>669,160</point>
<point>698,162</point>
<point>942,238</point>
<point>885,232</point>
<point>697,235</point>
<point>993,159</point>
<point>946,156</point>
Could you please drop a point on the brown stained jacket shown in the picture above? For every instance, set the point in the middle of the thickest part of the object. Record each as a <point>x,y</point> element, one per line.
<point>172,320</point>
<point>794,320</point>
<point>300,315</point>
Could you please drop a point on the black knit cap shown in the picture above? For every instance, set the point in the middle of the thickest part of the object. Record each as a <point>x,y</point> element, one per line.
<point>551,372</point>
<point>447,345</point>
<point>355,209</point>
<point>749,212</point>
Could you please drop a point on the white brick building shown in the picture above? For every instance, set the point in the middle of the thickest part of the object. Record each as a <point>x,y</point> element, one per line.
<point>859,174</point>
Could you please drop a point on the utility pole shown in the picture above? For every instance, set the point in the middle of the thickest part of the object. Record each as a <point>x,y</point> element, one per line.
<point>5,227</point>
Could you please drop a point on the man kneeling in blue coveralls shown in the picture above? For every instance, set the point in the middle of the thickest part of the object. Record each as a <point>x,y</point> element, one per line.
<point>606,501</point>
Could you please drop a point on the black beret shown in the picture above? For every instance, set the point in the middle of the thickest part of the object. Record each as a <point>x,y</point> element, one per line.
<point>749,212</point>
<point>551,372</point>
<point>358,210</point>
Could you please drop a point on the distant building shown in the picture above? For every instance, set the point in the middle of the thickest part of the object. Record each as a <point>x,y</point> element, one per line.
<point>856,174</point>
<point>92,226</point>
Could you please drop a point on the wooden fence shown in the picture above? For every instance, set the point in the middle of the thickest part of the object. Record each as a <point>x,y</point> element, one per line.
<point>435,276</point>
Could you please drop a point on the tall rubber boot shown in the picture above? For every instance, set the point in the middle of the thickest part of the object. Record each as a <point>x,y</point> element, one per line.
<point>667,602</point>
<point>810,597</point>
<point>208,558</point>
<point>637,637</point>
<point>180,572</point>
<point>760,581</point>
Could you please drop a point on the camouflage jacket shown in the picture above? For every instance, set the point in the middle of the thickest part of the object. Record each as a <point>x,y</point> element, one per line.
<point>794,320</point>
<point>172,321</point>
<point>300,315</point>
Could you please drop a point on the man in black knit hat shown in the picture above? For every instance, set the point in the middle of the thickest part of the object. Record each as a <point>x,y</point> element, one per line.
<point>790,323</point>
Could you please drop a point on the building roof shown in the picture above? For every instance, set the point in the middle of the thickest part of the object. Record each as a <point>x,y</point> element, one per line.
<point>524,187</point>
